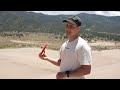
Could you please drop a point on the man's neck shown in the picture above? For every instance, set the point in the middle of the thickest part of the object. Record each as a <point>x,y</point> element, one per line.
<point>72,38</point>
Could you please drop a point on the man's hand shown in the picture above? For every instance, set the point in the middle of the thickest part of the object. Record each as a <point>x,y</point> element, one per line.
<point>44,57</point>
<point>61,75</point>
<point>51,60</point>
<point>43,51</point>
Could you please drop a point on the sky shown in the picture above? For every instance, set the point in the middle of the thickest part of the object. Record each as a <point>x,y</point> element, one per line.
<point>105,13</point>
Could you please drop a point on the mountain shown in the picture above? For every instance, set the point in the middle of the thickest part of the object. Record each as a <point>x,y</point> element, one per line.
<point>38,22</point>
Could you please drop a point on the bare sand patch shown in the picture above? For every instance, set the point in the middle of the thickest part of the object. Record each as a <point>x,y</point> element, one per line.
<point>24,63</point>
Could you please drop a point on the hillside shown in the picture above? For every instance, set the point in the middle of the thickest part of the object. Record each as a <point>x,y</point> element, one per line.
<point>38,22</point>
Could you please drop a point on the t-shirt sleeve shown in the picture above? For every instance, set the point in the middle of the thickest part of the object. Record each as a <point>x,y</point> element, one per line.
<point>84,55</point>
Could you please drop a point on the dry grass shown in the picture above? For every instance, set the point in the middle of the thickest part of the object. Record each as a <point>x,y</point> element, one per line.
<point>31,40</point>
<point>39,39</point>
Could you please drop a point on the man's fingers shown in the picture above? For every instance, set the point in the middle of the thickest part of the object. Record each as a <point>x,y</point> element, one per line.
<point>44,54</point>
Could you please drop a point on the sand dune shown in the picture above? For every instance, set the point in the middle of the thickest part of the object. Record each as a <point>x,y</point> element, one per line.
<point>24,63</point>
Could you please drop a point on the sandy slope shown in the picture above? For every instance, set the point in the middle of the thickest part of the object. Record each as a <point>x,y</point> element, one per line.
<point>24,63</point>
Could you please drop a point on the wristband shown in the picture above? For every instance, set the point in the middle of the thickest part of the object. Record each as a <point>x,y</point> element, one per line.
<point>68,73</point>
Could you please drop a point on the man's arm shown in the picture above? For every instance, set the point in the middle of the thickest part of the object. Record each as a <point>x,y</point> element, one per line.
<point>83,70</point>
<point>55,62</point>
<point>51,60</point>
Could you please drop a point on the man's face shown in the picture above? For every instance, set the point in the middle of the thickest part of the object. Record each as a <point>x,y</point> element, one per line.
<point>71,29</point>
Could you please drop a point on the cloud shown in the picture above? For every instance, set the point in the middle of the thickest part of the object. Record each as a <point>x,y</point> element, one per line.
<point>58,12</point>
<point>105,13</point>
<point>108,13</point>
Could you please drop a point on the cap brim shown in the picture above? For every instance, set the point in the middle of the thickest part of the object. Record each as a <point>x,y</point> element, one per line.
<point>64,20</point>
<point>70,21</point>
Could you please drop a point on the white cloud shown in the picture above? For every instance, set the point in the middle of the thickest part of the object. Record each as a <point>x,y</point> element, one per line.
<point>105,13</point>
<point>58,12</point>
<point>108,13</point>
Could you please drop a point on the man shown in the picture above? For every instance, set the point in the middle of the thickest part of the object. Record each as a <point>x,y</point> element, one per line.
<point>75,54</point>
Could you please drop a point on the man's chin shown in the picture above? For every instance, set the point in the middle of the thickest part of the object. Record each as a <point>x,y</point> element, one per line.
<point>68,34</point>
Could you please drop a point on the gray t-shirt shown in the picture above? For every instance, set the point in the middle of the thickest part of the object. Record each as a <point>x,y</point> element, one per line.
<point>74,54</point>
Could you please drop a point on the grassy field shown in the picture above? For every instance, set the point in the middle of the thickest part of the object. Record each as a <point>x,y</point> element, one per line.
<point>27,39</point>
<point>31,40</point>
